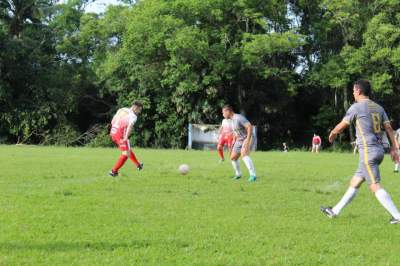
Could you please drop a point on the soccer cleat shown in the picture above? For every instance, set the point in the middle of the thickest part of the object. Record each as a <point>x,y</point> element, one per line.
<point>252,178</point>
<point>112,173</point>
<point>328,212</point>
<point>394,221</point>
<point>236,177</point>
<point>395,171</point>
<point>140,166</point>
<point>222,160</point>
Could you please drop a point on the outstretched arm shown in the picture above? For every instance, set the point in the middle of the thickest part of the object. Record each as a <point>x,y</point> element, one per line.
<point>337,130</point>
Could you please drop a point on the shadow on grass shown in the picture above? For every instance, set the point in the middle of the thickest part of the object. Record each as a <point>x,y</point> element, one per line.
<point>87,245</point>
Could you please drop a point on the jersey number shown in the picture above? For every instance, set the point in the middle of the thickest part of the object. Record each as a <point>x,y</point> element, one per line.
<point>376,121</point>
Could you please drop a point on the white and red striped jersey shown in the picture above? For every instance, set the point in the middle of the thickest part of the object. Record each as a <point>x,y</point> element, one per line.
<point>121,122</point>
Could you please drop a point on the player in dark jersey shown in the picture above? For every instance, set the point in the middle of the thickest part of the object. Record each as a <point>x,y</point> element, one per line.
<point>369,118</point>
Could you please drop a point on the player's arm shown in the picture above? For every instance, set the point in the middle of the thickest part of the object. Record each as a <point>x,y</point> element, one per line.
<point>337,130</point>
<point>395,145</point>
<point>350,116</point>
<point>128,131</point>
<point>247,142</point>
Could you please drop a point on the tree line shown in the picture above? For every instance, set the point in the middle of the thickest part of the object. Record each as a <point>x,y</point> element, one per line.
<point>287,65</point>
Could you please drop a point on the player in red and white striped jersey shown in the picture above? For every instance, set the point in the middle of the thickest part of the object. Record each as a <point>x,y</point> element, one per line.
<point>225,138</point>
<point>121,127</point>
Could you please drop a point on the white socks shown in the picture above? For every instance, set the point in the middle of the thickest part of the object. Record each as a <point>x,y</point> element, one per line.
<point>249,164</point>
<point>236,167</point>
<point>346,199</point>
<point>396,167</point>
<point>382,196</point>
<point>386,201</point>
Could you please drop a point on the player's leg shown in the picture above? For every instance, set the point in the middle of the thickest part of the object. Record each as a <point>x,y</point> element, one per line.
<point>380,193</point>
<point>350,194</point>
<point>230,143</point>
<point>355,183</point>
<point>122,158</point>
<point>313,148</point>
<point>386,201</point>
<point>235,154</point>
<point>318,148</point>
<point>220,148</point>
<point>249,164</point>
<point>133,158</point>
<point>396,165</point>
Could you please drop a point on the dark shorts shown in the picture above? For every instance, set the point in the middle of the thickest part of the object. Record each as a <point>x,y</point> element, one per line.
<point>368,166</point>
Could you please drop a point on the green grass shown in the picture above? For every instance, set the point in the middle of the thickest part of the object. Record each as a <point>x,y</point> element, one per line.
<point>58,206</point>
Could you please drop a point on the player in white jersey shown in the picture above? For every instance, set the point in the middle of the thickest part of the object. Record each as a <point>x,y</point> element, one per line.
<point>243,132</point>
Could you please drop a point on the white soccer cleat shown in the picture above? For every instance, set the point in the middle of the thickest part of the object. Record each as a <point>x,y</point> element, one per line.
<point>328,212</point>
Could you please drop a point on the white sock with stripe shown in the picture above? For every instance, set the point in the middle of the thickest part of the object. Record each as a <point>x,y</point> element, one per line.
<point>346,199</point>
<point>236,167</point>
<point>387,202</point>
<point>249,164</point>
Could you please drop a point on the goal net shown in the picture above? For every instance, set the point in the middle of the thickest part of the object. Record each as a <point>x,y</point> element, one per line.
<point>205,137</point>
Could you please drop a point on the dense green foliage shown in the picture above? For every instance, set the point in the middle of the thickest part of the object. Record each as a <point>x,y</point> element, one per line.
<point>288,65</point>
<point>60,213</point>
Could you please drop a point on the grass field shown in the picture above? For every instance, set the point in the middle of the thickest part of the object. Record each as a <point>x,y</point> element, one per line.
<point>58,206</point>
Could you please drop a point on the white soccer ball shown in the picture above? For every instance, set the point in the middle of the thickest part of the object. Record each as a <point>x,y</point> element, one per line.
<point>183,169</point>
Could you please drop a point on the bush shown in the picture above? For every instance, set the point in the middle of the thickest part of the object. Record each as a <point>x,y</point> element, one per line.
<point>340,147</point>
<point>101,139</point>
<point>61,135</point>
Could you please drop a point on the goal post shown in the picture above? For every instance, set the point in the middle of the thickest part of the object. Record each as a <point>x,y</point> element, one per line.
<point>205,136</point>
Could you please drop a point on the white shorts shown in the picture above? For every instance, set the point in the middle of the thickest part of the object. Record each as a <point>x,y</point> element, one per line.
<point>316,146</point>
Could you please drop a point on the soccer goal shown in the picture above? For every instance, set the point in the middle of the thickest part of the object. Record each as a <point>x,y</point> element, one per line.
<point>205,137</point>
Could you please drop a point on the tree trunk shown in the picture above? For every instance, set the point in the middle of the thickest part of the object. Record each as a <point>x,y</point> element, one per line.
<point>346,106</point>
<point>240,94</point>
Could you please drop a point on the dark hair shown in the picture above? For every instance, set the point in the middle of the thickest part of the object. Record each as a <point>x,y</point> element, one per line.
<point>364,86</point>
<point>228,107</point>
<point>138,104</point>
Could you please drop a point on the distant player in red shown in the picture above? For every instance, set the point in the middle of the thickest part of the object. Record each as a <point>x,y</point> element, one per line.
<point>225,138</point>
<point>316,143</point>
<point>121,127</point>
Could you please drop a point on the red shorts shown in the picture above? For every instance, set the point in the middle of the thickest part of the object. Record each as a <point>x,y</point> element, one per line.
<point>122,145</point>
<point>225,140</point>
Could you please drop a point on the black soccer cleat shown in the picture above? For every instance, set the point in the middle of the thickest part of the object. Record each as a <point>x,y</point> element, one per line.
<point>140,167</point>
<point>394,221</point>
<point>112,173</point>
<point>328,212</point>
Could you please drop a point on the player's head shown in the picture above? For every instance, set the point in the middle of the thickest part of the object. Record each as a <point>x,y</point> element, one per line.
<point>361,89</point>
<point>227,111</point>
<point>137,107</point>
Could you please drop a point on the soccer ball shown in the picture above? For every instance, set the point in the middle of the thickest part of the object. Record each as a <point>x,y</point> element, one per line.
<point>183,169</point>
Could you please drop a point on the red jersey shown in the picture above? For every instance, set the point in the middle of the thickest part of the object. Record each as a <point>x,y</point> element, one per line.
<point>316,140</point>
